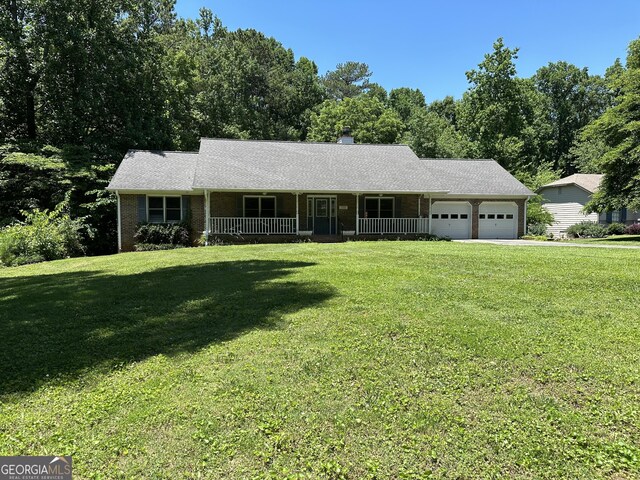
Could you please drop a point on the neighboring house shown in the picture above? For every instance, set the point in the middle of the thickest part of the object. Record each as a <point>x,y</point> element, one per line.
<point>257,188</point>
<point>566,198</point>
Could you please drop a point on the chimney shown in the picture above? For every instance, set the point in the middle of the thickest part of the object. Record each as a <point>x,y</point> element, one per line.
<point>346,138</point>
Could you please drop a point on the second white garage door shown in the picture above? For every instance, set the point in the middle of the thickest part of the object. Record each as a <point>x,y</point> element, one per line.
<point>498,220</point>
<point>451,219</point>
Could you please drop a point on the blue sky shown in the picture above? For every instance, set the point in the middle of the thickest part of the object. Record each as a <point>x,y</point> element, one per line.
<point>431,44</point>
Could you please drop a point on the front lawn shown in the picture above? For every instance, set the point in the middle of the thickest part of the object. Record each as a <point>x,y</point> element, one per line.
<point>354,360</point>
<point>630,240</point>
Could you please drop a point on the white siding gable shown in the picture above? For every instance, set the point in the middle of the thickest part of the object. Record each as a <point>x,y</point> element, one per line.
<point>566,204</point>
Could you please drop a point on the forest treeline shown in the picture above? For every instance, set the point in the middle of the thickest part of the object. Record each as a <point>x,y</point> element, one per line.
<point>81,82</point>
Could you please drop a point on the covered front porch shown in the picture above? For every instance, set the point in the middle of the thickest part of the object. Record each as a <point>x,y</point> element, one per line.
<point>307,214</point>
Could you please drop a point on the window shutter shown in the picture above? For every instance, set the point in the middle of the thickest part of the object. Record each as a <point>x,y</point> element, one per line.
<point>361,206</point>
<point>239,205</point>
<point>186,208</point>
<point>142,208</point>
<point>398,208</point>
<point>609,217</point>
<point>623,215</point>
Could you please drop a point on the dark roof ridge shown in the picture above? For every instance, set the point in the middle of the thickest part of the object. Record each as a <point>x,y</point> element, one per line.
<point>461,159</point>
<point>300,142</point>
<point>161,151</point>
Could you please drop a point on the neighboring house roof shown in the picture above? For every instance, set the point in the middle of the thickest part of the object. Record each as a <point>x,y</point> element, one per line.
<point>146,170</point>
<point>253,165</point>
<point>475,177</point>
<point>587,181</point>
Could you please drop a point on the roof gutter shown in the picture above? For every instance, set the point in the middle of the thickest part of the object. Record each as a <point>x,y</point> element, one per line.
<point>321,191</point>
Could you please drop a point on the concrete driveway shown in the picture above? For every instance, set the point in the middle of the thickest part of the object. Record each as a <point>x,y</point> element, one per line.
<point>532,243</point>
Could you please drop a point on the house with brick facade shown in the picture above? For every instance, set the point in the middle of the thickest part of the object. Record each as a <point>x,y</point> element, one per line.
<point>271,190</point>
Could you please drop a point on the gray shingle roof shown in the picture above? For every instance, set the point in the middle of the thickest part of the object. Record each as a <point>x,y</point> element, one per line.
<point>589,181</point>
<point>251,165</point>
<point>475,177</point>
<point>153,170</point>
<point>303,166</point>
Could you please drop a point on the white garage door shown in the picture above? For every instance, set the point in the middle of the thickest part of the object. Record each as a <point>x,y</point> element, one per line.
<point>498,220</point>
<point>451,219</point>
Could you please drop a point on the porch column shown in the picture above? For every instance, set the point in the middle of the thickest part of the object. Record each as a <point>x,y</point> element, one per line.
<point>419,200</point>
<point>207,214</point>
<point>297,213</point>
<point>430,215</point>
<point>357,214</point>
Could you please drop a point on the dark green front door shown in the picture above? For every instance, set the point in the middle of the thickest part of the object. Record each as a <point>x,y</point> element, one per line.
<point>322,216</point>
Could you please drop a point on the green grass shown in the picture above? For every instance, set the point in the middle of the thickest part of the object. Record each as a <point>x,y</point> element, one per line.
<point>355,360</point>
<point>628,240</point>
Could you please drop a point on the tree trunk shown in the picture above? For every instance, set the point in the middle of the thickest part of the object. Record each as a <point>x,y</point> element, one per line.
<point>30,106</point>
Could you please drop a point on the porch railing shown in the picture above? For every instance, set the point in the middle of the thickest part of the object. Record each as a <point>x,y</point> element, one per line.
<point>393,225</point>
<point>253,226</point>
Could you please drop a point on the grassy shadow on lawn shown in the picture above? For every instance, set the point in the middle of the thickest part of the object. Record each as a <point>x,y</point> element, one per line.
<point>62,324</point>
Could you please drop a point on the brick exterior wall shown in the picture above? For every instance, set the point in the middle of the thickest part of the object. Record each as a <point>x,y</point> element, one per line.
<point>197,217</point>
<point>346,218</point>
<point>129,219</point>
<point>229,204</point>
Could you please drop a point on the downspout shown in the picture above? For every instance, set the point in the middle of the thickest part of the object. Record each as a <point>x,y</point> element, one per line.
<point>119,224</point>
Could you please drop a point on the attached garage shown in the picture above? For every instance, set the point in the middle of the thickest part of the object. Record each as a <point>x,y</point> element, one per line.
<point>451,219</point>
<point>498,220</point>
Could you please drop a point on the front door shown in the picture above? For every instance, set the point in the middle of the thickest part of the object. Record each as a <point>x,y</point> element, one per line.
<point>321,216</point>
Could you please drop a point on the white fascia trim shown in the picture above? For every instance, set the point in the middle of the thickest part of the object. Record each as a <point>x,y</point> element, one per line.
<point>482,196</point>
<point>168,193</point>
<point>327,193</point>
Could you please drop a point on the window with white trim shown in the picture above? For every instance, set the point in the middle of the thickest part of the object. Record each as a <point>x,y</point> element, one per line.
<point>259,207</point>
<point>379,207</point>
<point>615,216</point>
<point>164,209</point>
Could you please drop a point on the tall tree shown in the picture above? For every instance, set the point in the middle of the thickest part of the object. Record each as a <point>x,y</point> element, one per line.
<point>348,80</point>
<point>432,136</point>
<point>494,111</point>
<point>617,132</point>
<point>574,99</point>
<point>406,101</point>
<point>252,87</point>
<point>371,121</point>
<point>20,64</point>
<point>445,108</point>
